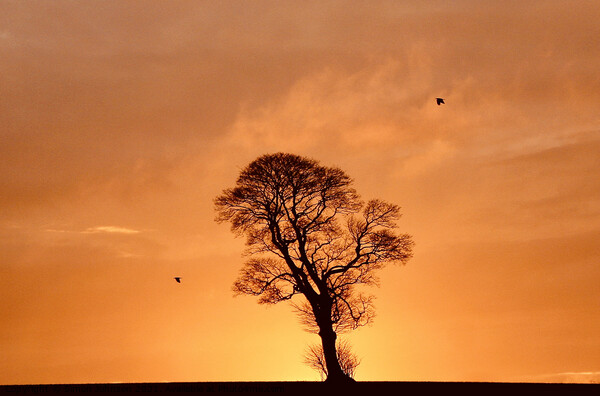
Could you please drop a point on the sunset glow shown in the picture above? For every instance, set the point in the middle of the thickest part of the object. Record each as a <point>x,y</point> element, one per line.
<point>121,121</point>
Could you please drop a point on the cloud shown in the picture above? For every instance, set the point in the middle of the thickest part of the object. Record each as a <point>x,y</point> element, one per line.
<point>110,230</point>
<point>85,105</point>
<point>583,377</point>
<point>387,102</point>
<point>430,157</point>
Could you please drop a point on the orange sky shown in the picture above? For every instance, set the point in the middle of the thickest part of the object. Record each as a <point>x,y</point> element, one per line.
<point>120,121</point>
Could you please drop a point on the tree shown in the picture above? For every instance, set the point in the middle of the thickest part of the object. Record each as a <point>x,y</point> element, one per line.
<point>309,234</point>
<point>315,358</point>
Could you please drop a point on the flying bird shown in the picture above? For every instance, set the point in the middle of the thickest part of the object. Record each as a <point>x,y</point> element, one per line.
<point>439,101</point>
<point>178,279</point>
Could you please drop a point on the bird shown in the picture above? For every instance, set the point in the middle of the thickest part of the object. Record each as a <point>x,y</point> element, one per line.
<point>178,279</point>
<point>439,101</point>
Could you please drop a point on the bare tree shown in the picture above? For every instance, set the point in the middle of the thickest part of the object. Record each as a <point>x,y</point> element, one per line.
<point>315,359</point>
<point>308,233</point>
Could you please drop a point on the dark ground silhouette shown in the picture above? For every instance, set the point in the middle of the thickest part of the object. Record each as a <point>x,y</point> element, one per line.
<point>373,388</point>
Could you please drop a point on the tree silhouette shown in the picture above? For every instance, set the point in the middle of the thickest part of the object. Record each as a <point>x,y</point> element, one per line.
<point>315,359</point>
<point>309,234</point>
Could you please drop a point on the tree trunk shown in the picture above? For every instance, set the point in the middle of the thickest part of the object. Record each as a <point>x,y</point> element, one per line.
<point>334,371</point>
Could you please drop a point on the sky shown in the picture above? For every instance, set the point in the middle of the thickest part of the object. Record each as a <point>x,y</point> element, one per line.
<point>121,121</point>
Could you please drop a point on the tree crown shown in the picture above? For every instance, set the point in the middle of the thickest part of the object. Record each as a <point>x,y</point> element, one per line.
<point>308,233</point>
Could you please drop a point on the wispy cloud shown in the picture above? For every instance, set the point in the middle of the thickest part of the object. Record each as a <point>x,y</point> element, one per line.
<point>582,377</point>
<point>110,230</point>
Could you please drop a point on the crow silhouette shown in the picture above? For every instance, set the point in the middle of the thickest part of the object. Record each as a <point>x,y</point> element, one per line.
<point>439,101</point>
<point>178,279</point>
